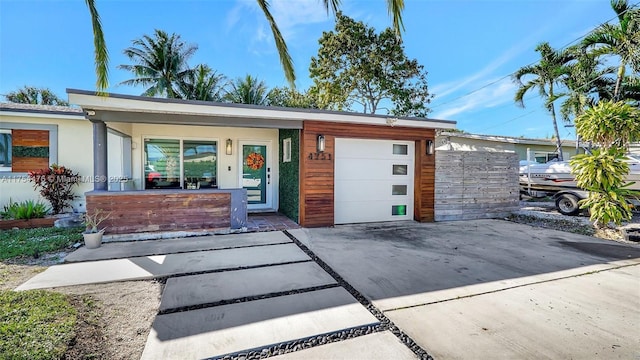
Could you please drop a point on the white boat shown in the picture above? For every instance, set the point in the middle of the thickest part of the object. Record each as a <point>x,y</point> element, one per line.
<point>556,175</point>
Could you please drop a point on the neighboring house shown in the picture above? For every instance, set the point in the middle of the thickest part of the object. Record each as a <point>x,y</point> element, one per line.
<point>542,150</point>
<point>634,148</point>
<point>193,164</point>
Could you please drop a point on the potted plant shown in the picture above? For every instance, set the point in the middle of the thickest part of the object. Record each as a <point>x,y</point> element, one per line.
<point>92,235</point>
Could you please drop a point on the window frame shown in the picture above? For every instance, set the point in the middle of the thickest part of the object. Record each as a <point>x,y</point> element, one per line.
<point>53,140</point>
<point>181,140</point>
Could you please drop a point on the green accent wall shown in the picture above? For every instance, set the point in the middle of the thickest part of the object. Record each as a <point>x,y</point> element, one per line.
<point>290,175</point>
<point>31,151</point>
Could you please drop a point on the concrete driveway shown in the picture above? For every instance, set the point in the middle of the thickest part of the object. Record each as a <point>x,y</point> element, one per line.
<point>491,288</point>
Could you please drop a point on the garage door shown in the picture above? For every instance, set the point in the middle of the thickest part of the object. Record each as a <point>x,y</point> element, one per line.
<point>373,180</point>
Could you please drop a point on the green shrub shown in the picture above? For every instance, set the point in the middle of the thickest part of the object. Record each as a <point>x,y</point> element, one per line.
<point>35,324</point>
<point>56,185</point>
<point>25,210</point>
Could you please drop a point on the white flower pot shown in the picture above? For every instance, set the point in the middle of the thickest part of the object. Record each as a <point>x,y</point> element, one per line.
<point>93,240</point>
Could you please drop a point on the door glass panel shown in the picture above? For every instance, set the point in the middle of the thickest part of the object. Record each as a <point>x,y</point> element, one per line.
<point>399,210</point>
<point>399,149</point>
<point>399,169</point>
<point>398,189</point>
<point>254,173</point>
<point>199,162</point>
<point>161,164</point>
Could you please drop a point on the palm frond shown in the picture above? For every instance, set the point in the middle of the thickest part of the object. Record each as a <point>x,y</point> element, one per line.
<point>395,8</point>
<point>283,51</point>
<point>100,50</point>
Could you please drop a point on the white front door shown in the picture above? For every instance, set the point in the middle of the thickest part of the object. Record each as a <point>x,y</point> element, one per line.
<point>373,180</point>
<point>256,173</point>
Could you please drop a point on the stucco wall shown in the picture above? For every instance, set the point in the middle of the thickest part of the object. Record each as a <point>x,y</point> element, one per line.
<point>74,150</point>
<point>475,185</point>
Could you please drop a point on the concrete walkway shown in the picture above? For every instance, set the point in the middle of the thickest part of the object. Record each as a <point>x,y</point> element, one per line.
<point>234,294</point>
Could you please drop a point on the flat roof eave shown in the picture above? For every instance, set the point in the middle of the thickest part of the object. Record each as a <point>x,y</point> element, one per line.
<point>135,109</point>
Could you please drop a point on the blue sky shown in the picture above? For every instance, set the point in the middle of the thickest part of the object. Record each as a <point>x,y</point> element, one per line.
<point>468,47</point>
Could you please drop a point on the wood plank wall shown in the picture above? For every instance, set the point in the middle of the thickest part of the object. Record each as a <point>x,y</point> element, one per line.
<point>29,138</point>
<point>475,185</point>
<point>157,211</point>
<point>317,175</point>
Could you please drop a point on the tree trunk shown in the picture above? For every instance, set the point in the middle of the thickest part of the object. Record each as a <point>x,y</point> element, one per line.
<point>616,91</point>
<point>555,125</point>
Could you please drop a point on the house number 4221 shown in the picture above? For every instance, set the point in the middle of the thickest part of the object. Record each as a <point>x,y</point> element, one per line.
<point>319,156</point>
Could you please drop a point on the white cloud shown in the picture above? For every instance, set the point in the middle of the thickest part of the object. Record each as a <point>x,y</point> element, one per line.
<point>498,94</point>
<point>290,15</point>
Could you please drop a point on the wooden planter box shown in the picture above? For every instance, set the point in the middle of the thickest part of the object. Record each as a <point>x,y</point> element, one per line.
<point>26,224</point>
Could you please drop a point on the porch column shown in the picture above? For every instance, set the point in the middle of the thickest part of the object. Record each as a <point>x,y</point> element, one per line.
<point>100,182</point>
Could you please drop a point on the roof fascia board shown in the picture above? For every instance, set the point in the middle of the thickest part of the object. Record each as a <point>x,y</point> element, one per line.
<point>89,101</point>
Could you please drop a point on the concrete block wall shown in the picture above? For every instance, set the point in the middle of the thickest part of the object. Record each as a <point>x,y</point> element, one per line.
<point>475,185</point>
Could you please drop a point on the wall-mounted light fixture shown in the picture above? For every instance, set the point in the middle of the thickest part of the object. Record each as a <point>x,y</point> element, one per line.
<point>229,147</point>
<point>320,145</point>
<point>430,147</point>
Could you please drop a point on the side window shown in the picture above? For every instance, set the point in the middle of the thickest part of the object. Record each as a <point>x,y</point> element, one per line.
<point>5,150</point>
<point>23,150</point>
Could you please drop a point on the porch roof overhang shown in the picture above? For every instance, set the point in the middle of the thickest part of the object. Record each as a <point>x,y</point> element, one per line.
<point>138,109</point>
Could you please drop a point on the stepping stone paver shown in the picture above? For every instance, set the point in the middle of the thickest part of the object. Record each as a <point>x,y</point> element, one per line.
<point>149,267</point>
<point>215,287</point>
<point>225,329</point>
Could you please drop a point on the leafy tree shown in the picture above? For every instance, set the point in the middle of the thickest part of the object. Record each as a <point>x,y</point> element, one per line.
<point>354,64</point>
<point>611,125</point>
<point>622,39</point>
<point>34,95</point>
<point>544,76</point>
<point>202,83</point>
<point>394,7</point>
<point>161,63</point>
<point>247,90</point>
<point>287,97</point>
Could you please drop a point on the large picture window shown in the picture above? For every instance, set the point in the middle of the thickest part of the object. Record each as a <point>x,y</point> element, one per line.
<point>175,164</point>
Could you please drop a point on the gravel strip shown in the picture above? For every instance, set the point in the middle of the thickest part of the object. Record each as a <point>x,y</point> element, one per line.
<point>385,322</point>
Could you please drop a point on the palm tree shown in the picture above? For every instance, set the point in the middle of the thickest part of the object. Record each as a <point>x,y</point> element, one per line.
<point>247,90</point>
<point>394,7</point>
<point>546,74</point>
<point>161,63</point>
<point>202,83</point>
<point>587,83</point>
<point>33,95</point>
<point>622,40</point>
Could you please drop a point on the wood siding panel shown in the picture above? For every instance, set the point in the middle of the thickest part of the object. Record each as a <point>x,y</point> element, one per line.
<point>30,137</point>
<point>317,176</point>
<point>163,212</point>
<point>25,164</point>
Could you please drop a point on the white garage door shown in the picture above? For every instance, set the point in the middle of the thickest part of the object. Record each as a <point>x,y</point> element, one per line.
<point>373,180</point>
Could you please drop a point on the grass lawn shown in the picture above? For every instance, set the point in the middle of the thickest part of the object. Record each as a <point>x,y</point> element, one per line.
<point>36,324</point>
<point>33,242</point>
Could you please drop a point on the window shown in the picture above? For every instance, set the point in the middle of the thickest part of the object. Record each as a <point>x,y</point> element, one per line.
<point>27,147</point>
<point>400,149</point>
<point>400,169</point>
<point>5,150</point>
<point>286,150</point>
<point>398,189</point>
<point>544,157</point>
<point>175,164</point>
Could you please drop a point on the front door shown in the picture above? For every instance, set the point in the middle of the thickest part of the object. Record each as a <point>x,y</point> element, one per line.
<point>256,173</point>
